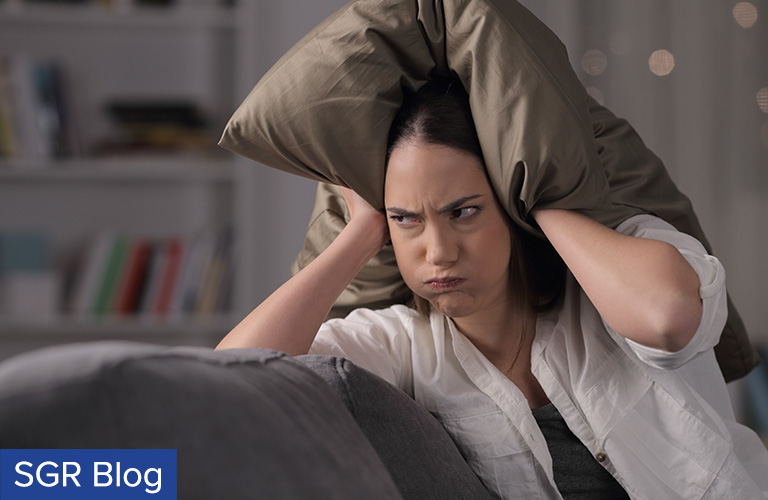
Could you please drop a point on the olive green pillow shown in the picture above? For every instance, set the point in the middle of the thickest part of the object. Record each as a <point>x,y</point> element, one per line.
<point>324,111</point>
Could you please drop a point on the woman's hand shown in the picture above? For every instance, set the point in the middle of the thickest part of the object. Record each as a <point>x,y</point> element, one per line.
<point>362,214</point>
<point>289,319</point>
<point>644,289</point>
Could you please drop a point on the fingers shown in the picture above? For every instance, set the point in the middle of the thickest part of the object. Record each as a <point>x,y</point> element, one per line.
<point>355,202</point>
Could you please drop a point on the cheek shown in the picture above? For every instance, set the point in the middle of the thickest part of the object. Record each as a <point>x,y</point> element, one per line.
<point>406,257</point>
<point>496,248</point>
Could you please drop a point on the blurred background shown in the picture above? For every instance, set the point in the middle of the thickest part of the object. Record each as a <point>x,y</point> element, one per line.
<point>120,218</point>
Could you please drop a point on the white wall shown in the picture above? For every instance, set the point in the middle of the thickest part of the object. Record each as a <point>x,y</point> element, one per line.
<point>281,203</point>
<point>702,119</point>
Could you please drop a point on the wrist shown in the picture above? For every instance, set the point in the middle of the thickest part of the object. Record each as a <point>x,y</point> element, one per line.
<point>369,236</point>
<point>540,214</point>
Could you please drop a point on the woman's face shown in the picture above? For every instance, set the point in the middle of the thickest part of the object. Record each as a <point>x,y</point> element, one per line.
<point>450,235</point>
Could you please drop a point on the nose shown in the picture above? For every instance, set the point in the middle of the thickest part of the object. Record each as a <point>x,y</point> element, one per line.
<point>442,248</point>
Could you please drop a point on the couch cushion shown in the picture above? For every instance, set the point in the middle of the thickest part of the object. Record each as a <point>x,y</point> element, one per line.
<point>421,457</point>
<point>247,423</point>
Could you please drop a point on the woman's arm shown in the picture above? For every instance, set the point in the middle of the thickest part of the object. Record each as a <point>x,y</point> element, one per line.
<point>289,319</point>
<point>644,289</point>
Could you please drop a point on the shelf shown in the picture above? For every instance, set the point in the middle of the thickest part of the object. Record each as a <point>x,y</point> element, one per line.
<point>136,169</point>
<point>111,327</point>
<point>79,16</point>
<point>190,51</point>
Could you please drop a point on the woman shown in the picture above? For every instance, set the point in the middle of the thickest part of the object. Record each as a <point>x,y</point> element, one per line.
<point>596,383</point>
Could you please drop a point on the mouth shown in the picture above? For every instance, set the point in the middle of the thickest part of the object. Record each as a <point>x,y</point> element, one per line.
<point>444,284</point>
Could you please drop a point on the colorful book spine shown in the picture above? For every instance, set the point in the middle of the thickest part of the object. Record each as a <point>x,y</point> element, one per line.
<point>91,269</point>
<point>110,278</point>
<point>132,280</point>
<point>170,278</point>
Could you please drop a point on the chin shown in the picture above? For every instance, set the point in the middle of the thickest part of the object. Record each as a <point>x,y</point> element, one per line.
<point>453,307</point>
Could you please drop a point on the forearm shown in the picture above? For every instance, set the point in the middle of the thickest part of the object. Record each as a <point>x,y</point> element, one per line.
<point>644,289</point>
<point>289,319</point>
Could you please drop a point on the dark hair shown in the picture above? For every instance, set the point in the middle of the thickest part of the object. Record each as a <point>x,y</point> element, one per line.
<point>439,113</point>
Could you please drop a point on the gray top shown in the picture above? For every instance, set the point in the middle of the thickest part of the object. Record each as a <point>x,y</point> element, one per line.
<point>577,474</point>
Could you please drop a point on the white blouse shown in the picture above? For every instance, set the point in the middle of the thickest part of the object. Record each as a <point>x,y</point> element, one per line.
<point>661,423</point>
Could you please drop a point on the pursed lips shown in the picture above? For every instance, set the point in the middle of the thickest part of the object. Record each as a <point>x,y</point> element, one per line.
<point>444,284</point>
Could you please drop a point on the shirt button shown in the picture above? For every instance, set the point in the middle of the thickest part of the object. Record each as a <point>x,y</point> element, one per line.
<point>600,457</point>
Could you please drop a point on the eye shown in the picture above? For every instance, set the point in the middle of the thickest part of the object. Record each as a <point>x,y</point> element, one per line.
<point>465,213</point>
<point>404,220</point>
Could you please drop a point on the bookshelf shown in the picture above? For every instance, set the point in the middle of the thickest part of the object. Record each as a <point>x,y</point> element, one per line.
<point>119,170</point>
<point>182,55</point>
<point>117,14</point>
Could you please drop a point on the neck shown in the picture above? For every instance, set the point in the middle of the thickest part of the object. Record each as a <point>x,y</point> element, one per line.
<point>503,336</point>
<point>505,339</point>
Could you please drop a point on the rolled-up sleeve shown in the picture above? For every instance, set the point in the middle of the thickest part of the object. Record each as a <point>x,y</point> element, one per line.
<point>712,291</point>
<point>375,340</point>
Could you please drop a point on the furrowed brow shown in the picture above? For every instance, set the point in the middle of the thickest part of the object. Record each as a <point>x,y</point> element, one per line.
<point>399,211</point>
<point>458,203</point>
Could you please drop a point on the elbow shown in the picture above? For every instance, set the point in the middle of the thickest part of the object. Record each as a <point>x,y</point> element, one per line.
<point>677,321</point>
<point>678,304</point>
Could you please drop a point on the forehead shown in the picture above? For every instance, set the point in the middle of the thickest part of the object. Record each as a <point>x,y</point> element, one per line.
<point>420,173</point>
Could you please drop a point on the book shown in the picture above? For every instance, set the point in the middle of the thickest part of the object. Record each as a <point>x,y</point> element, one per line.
<point>28,287</point>
<point>52,116</point>
<point>23,252</point>
<point>201,249</point>
<point>154,279</point>
<point>34,122</point>
<point>154,274</point>
<point>132,278</point>
<point>25,112</point>
<point>90,270</point>
<point>169,276</point>
<point>214,281</point>
<point>110,276</point>
<point>156,126</point>
<point>8,140</point>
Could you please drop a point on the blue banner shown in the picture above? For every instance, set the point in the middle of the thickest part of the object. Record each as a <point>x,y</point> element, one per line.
<point>87,474</point>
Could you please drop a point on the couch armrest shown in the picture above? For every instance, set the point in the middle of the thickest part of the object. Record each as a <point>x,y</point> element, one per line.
<point>247,423</point>
<point>421,457</point>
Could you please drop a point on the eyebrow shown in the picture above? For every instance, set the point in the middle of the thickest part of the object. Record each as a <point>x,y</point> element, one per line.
<point>447,208</point>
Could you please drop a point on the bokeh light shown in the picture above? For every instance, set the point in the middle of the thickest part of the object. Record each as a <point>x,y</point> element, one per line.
<point>661,62</point>
<point>594,62</point>
<point>762,99</point>
<point>745,14</point>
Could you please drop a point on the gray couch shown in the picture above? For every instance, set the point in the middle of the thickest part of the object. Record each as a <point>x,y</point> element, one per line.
<point>246,423</point>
